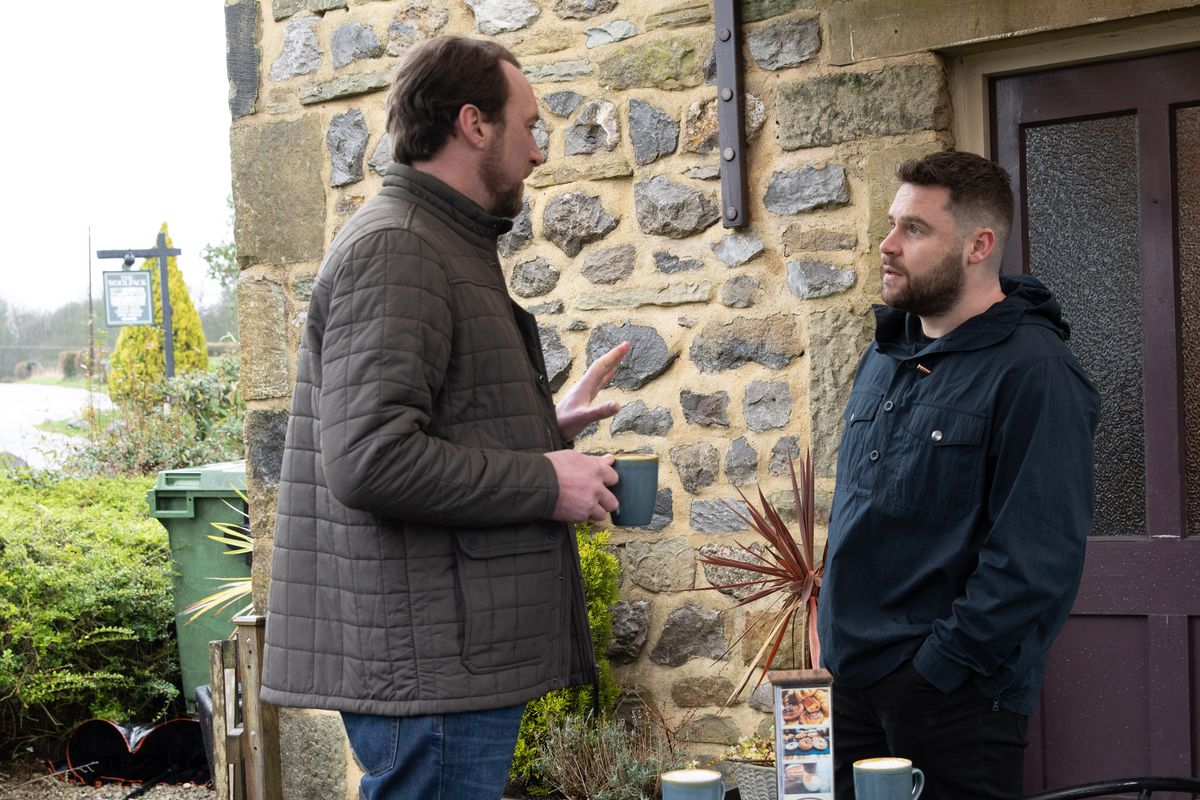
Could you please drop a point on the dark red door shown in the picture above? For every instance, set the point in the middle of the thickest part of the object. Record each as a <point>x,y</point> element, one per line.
<point>1106,165</point>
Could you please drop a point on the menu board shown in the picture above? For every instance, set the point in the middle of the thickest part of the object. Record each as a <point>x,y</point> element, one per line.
<point>804,736</point>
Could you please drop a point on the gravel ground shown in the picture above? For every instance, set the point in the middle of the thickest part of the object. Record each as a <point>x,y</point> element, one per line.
<point>22,781</point>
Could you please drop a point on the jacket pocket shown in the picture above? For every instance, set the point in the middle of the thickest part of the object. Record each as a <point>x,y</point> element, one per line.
<point>853,468</point>
<point>510,585</point>
<point>941,453</point>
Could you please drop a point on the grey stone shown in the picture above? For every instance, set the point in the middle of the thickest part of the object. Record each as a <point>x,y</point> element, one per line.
<point>558,357</point>
<point>810,279</point>
<point>844,106</point>
<point>654,132</point>
<point>264,432</point>
<point>282,9</point>
<point>316,764</point>
<point>345,86</point>
<point>583,9</point>
<point>663,64</point>
<point>718,516</point>
<point>708,172</point>
<point>807,188</point>
<point>697,465</point>
<point>787,448</point>
<point>521,233</point>
<point>558,71</point>
<point>757,10</point>
<point>670,264</point>
<point>785,44</point>
<point>802,237</point>
<point>664,512</point>
<point>701,127</point>
<point>727,576</point>
<point>705,409</point>
<point>701,690</point>
<point>541,136</point>
<point>302,286</point>
<point>562,103</point>
<point>673,294</point>
<point>738,248</point>
<point>772,342</point>
<point>354,41</point>
<point>690,630</point>
<point>666,208</point>
<point>837,339</point>
<point>642,420</point>
<point>590,430</point>
<point>596,127</point>
<point>741,462</point>
<point>767,405</point>
<point>497,16</point>
<point>785,503</point>
<point>630,624</point>
<point>534,278</point>
<point>242,56</point>
<point>609,264</point>
<point>577,325</point>
<point>573,219</point>
<point>710,729</point>
<point>586,170</point>
<point>763,698</point>
<point>300,54</point>
<point>739,291</point>
<point>648,357</point>
<point>686,321</point>
<point>690,12</point>
<point>666,565</point>
<point>417,21</point>
<point>710,67</point>
<point>610,32</point>
<point>551,307</point>
<point>347,143</point>
<point>381,156</point>
<point>262,313</point>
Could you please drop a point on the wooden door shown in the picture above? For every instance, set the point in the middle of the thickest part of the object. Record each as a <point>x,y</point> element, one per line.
<point>1106,165</point>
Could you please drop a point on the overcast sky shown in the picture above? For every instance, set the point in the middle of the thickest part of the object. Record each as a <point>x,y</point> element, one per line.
<point>116,118</point>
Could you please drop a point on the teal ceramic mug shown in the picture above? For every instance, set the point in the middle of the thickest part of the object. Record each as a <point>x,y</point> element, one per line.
<point>887,779</point>
<point>636,488</point>
<point>692,784</point>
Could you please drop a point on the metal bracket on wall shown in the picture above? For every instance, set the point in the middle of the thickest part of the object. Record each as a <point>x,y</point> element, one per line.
<point>729,114</point>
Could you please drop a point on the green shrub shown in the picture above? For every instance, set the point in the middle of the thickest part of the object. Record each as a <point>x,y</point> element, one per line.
<point>600,574</point>
<point>24,370</point>
<point>138,362</point>
<point>85,606</point>
<point>68,363</point>
<point>202,425</point>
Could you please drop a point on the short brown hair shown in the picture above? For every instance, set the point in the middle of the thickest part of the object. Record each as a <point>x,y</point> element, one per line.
<point>434,80</point>
<point>980,190</point>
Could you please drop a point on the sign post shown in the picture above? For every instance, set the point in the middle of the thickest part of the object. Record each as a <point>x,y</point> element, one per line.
<point>161,252</point>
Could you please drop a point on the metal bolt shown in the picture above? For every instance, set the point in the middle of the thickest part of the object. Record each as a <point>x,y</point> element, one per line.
<point>728,154</point>
<point>727,94</point>
<point>731,212</point>
<point>725,34</point>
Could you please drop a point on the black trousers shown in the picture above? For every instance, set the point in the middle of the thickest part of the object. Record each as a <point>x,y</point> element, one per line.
<point>968,748</point>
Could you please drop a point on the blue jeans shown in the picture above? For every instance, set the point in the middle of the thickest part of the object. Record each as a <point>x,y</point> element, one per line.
<point>436,756</point>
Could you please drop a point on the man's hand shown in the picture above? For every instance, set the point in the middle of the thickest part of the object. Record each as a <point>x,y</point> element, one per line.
<point>575,411</point>
<point>583,483</point>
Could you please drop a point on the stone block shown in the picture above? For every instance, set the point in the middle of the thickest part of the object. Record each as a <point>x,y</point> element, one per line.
<point>352,42</point>
<point>637,417</point>
<point>785,44</point>
<point>521,233</point>
<point>690,630</point>
<point>665,64</point>
<point>242,56</point>
<point>837,339</point>
<point>758,10</point>
<point>609,32</point>
<point>300,54</point>
<point>265,431</point>
<point>534,278</point>
<point>346,140</point>
<point>414,22</point>
<point>710,729</point>
<point>381,156</point>
<point>727,576</point>
<point>574,219</point>
<point>654,132</point>
<point>557,356</point>
<point>262,328</point>
<point>773,342</point>
<point>785,449</point>
<point>718,516</point>
<point>701,128</point>
<point>609,264</point>
<point>700,691</point>
<point>672,294</point>
<point>588,170</point>
<point>807,188</point>
<point>691,12</point>
<point>345,86</point>
<point>670,263</point>
<point>739,291</point>
<point>583,9</point>
<point>705,409</point>
<point>596,127</point>
<point>558,71</point>
<point>562,103</point>
<point>665,565</point>
<point>767,405</point>
<point>697,465</point>
<point>648,357</point>
<point>811,279</point>
<point>630,625</point>
<point>741,462</point>
<point>738,248</point>
<point>801,238</point>
<point>666,208</point>
<point>498,16</point>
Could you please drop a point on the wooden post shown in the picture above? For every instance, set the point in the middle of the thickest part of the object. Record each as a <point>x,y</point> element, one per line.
<point>227,777</point>
<point>260,721</point>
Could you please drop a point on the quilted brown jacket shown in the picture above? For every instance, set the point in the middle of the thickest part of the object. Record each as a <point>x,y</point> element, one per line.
<point>415,568</point>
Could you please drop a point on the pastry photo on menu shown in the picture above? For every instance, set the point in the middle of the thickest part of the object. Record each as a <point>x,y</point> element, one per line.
<point>800,742</point>
<point>808,780</point>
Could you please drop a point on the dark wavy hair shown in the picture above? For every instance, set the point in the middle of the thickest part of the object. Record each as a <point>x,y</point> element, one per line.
<point>436,78</point>
<point>980,190</point>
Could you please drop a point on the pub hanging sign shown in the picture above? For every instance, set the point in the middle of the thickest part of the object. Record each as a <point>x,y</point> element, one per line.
<point>127,298</point>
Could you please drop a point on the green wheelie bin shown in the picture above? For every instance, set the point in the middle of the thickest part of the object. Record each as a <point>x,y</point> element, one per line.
<point>188,502</point>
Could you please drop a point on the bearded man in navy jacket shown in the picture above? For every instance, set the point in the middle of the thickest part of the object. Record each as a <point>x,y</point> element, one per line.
<point>964,495</point>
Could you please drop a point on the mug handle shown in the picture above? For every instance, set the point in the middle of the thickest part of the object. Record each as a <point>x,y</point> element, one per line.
<point>918,783</point>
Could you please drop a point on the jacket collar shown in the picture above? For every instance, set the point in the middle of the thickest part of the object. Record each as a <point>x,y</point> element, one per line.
<point>455,207</point>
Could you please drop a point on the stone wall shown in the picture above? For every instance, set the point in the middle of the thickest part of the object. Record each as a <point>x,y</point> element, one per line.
<point>745,341</point>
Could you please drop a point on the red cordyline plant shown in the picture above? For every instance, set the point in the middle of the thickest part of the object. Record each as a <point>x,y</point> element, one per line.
<point>787,566</point>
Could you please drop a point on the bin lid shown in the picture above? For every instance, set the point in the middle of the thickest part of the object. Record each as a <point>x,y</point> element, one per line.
<point>216,478</point>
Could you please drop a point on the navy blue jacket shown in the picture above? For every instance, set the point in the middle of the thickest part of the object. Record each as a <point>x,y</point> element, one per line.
<point>963,500</point>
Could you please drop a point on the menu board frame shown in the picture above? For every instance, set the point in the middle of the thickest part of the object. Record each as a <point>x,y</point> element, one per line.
<point>804,735</point>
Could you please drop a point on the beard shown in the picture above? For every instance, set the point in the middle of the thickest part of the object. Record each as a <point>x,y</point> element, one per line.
<point>927,295</point>
<point>506,194</point>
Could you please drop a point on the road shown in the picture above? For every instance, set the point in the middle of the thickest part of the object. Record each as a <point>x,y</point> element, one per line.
<point>24,405</point>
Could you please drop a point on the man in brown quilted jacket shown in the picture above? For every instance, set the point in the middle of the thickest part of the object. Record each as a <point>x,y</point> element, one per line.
<point>424,580</point>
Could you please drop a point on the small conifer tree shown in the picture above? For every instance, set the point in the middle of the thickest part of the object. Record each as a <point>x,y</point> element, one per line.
<point>138,361</point>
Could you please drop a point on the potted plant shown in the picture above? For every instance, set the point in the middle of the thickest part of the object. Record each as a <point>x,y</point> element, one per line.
<point>753,759</point>
<point>784,568</point>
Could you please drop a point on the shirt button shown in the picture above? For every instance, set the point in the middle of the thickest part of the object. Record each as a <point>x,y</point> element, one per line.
<point>874,455</point>
<point>887,405</point>
<point>541,378</point>
<point>936,436</point>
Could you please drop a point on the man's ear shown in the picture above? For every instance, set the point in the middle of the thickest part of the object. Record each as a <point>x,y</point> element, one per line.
<point>471,127</point>
<point>982,242</point>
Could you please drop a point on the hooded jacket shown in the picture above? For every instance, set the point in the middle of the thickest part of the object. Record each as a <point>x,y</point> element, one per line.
<point>415,567</point>
<point>963,501</point>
